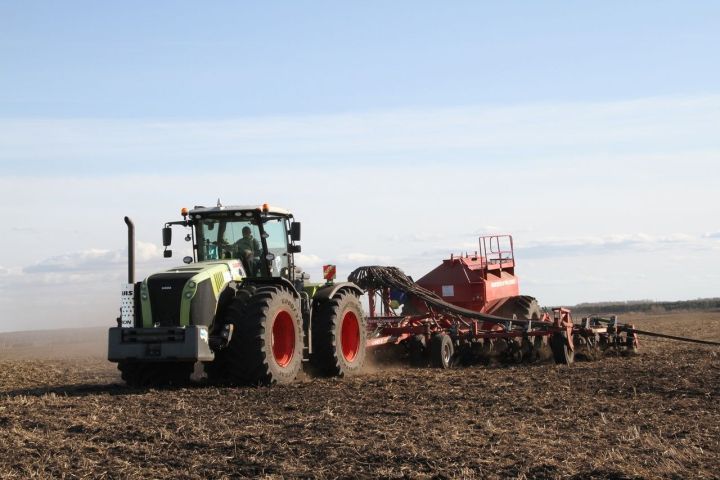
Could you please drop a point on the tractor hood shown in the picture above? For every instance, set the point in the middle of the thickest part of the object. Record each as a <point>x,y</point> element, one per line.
<point>186,295</point>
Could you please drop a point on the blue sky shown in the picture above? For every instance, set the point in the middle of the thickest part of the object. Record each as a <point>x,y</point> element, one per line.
<point>227,59</point>
<point>396,131</point>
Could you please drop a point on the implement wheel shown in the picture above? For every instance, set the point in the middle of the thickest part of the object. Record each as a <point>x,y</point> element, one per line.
<point>441,351</point>
<point>156,374</point>
<point>522,307</point>
<point>339,334</point>
<point>267,344</point>
<point>561,351</point>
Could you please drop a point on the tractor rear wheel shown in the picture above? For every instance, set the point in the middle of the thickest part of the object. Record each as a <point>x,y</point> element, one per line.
<point>441,351</point>
<point>267,343</point>
<point>561,351</point>
<point>339,335</point>
<point>156,374</point>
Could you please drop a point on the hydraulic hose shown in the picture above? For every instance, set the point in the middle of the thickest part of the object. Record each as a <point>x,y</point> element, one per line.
<point>377,277</point>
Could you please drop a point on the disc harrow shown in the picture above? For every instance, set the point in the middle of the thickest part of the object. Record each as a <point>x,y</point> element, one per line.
<point>441,333</point>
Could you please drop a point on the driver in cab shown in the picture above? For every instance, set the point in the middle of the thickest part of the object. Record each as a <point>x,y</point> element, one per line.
<point>248,248</point>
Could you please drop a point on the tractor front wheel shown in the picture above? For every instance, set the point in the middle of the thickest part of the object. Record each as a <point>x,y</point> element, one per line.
<point>267,344</point>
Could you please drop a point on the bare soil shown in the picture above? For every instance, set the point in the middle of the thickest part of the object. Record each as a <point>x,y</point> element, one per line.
<point>653,415</point>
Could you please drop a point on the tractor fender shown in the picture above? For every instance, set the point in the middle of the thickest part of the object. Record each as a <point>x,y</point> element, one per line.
<point>284,282</point>
<point>329,291</point>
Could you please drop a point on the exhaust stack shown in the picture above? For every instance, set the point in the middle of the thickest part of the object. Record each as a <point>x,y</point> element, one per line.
<point>131,250</point>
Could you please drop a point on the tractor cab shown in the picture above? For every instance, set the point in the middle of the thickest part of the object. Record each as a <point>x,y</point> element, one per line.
<point>261,237</point>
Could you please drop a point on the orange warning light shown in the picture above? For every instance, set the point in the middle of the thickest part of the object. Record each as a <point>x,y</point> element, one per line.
<point>266,207</point>
<point>184,212</point>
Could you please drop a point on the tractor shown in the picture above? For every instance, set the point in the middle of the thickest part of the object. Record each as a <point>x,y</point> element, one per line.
<point>239,304</point>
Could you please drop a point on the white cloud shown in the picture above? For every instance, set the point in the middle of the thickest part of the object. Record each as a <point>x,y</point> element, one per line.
<point>93,259</point>
<point>76,261</point>
<point>308,261</point>
<point>23,229</point>
<point>146,252</point>
<point>572,246</point>
<point>415,237</point>
<point>363,258</point>
<point>527,131</point>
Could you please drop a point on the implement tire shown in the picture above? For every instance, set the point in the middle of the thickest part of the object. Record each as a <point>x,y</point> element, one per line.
<point>267,343</point>
<point>441,351</point>
<point>561,352</point>
<point>156,374</point>
<point>522,306</point>
<point>339,335</point>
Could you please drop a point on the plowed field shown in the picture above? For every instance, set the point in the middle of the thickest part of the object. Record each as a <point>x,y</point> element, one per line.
<point>654,415</point>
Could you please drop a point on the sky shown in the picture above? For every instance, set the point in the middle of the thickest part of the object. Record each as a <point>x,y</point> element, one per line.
<point>397,133</point>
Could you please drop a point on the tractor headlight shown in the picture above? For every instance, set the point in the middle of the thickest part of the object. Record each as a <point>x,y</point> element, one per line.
<point>270,257</point>
<point>188,294</point>
<point>144,296</point>
<point>191,284</point>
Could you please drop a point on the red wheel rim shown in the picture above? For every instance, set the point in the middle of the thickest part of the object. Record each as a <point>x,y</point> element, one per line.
<point>283,338</point>
<point>350,336</point>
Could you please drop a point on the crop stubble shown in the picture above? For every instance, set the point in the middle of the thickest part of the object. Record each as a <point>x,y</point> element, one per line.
<point>648,416</point>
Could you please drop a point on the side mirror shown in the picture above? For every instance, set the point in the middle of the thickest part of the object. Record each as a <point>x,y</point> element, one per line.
<point>167,236</point>
<point>294,249</point>
<point>295,231</point>
<point>167,253</point>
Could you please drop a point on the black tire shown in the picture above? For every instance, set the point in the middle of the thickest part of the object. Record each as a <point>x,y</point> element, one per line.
<point>522,306</point>
<point>339,336</point>
<point>156,374</point>
<point>216,370</point>
<point>267,342</point>
<point>561,352</point>
<point>418,351</point>
<point>441,351</point>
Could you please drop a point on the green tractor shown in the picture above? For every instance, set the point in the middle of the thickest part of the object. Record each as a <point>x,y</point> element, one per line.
<point>239,305</point>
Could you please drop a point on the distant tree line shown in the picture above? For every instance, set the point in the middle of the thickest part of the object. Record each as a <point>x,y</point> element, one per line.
<point>646,306</point>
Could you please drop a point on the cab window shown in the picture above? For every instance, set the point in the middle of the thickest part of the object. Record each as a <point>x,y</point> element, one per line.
<point>277,243</point>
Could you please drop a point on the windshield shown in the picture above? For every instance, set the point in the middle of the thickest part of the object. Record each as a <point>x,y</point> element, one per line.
<point>235,238</point>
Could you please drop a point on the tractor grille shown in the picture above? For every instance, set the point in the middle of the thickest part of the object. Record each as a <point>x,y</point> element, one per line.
<point>165,294</point>
<point>202,308</point>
